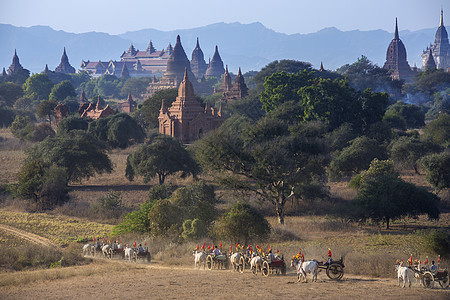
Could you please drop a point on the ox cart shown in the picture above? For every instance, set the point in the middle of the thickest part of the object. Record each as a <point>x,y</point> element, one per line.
<point>334,270</point>
<point>220,261</point>
<point>145,255</point>
<point>275,266</point>
<point>428,278</point>
<point>113,252</point>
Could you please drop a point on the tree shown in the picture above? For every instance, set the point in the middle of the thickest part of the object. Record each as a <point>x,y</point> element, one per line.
<point>19,76</point>
<point>356,157</point>
<point>406,151</point>
<point>164,218</point>
<point>119,130</point>
<point>62,90</point>
<point>384,196</point>
<point>22,127</point>
<point>7,116</point>
<point>45,184</point>
<point>79,153</point>
<point>9,93</point>
<point>285,65</point>
<point>45,109</point>
<point>439,130</point>
<point>149,112</point>
<point>72,123</point>
<point>137,86</point>
<point>242,223</point>
<point>267,158</point>
<point>413,114</point>
<point>38,86</point>
<point>437,168</point>
<point>162,156</point>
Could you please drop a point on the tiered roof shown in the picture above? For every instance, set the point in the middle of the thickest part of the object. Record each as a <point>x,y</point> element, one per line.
<point>198,64</point>
<point>64,66</point>
<point>15,65</point>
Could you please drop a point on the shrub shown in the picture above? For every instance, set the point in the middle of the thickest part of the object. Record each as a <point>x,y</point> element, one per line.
<point>192,229</point>
<point>164,218</point>
<point>437,167</point>
<point>437,241</point>
<point>109,205</point>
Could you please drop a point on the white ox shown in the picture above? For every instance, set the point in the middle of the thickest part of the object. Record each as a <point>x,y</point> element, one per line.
<point>105,250</point>
<point>128,253</point>
<point>87,249</point>
<point>309,266</point>
<point>199,259</point>
<point>234,259</point>
<point>403,274</point>
<point>256,263</point>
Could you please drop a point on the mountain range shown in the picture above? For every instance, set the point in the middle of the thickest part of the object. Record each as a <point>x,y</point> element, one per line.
<point>249,46</point>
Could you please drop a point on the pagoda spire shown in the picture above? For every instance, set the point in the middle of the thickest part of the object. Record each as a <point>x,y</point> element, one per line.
<point>46,70</point>
<point>321,67</point>
<point>129,99</point>
<point>4,72</point>
<point>163,109</point>
<point>441,22</point>
<point>396,30</point>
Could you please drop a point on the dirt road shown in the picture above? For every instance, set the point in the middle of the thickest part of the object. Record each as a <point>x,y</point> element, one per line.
<point>156,282</point>
<point>31,237</point>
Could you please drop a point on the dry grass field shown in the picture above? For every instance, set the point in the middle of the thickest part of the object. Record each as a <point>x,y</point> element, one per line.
<point>368,249</point>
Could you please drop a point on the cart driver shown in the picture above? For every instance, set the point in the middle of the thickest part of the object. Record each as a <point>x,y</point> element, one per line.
<point>141,249</point>
<point>433,268</point>
<point>216,251</point>
<point>330,258</point>
<point>270,256</point>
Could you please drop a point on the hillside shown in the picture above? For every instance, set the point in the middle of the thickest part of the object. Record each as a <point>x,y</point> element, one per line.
<point>250,46</point>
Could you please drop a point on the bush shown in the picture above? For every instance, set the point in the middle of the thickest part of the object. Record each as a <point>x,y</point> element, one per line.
<point>164,218</point>
<point>242,223</point>
<point>437,241</point>
<point>437,167</point>
<point>110,205</point>
<point>192,229</point>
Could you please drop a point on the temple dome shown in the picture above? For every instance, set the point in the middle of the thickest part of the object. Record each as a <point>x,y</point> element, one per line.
<point>215,67</point>
<point>177,64</point>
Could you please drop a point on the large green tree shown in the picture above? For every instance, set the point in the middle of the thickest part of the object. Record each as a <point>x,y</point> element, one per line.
<point>79,153</point>
<point>437,168</point>
<point>45,109</point>
<point>383,196</point>
<point>269,158</point>
<point>9,93</point>
<point>161,156</point>
<point>62,90</point>
<point>439,130</point>
<point>149,112</point>
<point>38,86</point>
<point>413,114</point>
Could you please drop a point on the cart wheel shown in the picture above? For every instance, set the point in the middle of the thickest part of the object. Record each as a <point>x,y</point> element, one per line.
<point>335,272</point>
<point>209,262</point>
<point>265,269</point>
<point>428,280</point>
<point>241,266</point>
<point>149,257</point>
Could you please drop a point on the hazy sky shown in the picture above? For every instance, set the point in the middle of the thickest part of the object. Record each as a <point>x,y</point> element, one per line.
<point>286,16</point>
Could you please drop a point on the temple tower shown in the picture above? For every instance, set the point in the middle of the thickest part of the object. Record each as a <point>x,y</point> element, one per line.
<point>176,65</point>
<point>440,49</point>
<point>15,65</point>
<point>215,67</point>
<point>396,61</point>
<point>198,64</point>
<point>226,81</point>
<point>429,63</point>
<point>64,66</point>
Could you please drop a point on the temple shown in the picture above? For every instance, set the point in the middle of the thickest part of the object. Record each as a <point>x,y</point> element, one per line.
<point>440,49</point>
<point>235,92</point>
<point>198,64</point>
<point>88,110</point>
<point>15,65</point>
<point>186,119</point>
<point>215,66</point>
<point>396,61</point>
<point>64,66</point>
<point>429,63</point>
<point>129,105</point>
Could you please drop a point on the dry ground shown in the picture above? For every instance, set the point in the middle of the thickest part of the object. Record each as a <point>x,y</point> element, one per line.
<point>157,282</point>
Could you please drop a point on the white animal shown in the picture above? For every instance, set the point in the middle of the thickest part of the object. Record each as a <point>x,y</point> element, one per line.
<point>105,250</point>
<point>403,274</point>
<point>87,249</point>
<point>199,259</point>
<point>256,263</point>
<point>234,259</point>
<point>128,253</point>
<point>309,266</point>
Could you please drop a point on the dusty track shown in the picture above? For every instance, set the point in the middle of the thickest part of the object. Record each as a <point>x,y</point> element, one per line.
<point>153,281</point>
<point>31,237</point>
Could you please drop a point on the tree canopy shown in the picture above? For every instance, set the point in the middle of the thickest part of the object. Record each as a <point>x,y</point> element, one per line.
<point>38,86</point>
<point>149,112</point>
<point>437,168</point>
<point>62,90</point>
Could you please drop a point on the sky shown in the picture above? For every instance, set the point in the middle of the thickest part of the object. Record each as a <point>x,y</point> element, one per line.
<point>285,16</point>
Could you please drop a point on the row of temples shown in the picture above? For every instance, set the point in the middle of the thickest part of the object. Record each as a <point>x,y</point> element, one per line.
<point>436,56</point>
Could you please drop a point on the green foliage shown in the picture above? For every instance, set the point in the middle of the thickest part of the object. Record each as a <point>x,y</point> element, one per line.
<point>192,229</point>
<point>45,109</point>
<point>431,81</point>
<point>72,123</point>
<point>165,218</point>
<point>38,86</point>
<point>137,86</point>
<point>406,151</point>
<point>18,76</point>
<point>7,116</point>
<point>437,241</point>
<point>40,132</point>
<point>110,205</point>
<point>441,105</point>
<point>78,152</point>
<point>383,196</point>
<point>43,183</point>
<point>62,90</point>
<point>285,65</point>
<point>242,223</point>
<point>394,120</point>
<point>283,87</point>
<point>437,168</point>
<point>22,127</point>
<point>162,156</point>
<point>149,112</point>
<point>9,93</point>
<point>250,106</point>
<point>340,137</point>
<point>377,168</point>
<point>356,157</point>
<point>439,130</point>
<point>413,114</point>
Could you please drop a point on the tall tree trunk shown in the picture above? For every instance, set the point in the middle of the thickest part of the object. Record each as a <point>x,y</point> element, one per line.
<point>280,212</point>
<point>387,223</point>
<point>161,179</point>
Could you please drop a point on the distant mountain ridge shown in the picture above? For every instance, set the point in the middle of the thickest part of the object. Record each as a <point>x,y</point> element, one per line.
<point>249,46</point>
